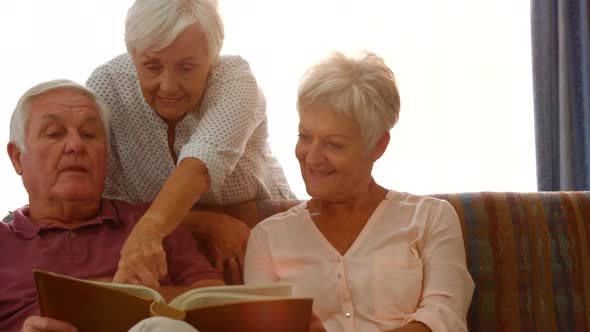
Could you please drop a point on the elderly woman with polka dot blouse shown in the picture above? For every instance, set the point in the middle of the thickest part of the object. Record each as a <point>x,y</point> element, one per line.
<point>373,259</point>
<point>188,126</point>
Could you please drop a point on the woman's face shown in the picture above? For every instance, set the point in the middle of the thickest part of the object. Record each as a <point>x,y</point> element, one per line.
<point>173,79</point>
<point>335,164</point>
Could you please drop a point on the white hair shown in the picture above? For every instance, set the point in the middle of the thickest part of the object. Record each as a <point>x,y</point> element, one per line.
<point>20,115</point>
<point>362,87</point>
<point>154,24</point>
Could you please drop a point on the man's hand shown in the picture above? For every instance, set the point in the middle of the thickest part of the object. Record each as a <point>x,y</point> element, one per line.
<point>143,260</point>
<point>45,324</point>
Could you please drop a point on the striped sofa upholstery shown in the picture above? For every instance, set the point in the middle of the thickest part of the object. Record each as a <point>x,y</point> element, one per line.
<point>528,253</point>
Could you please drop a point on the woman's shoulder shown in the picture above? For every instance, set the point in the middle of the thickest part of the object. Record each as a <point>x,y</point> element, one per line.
<point>120,64</point>
<point>230,66</point>
<point>116,83</point>
<point>232,60</point>
<point>283,220</point>
<point>423,210</point>
<point>423,201</point>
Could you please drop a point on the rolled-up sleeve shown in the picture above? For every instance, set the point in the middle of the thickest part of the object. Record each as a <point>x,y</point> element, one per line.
<point>232,108</point>
<point>258,266</point>
<point>447,286</point>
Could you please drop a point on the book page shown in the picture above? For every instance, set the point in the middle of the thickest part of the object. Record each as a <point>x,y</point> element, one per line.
<point>211,299</point>
<point>135,290</point>
<point>230,294</point>
<point>142,292</point>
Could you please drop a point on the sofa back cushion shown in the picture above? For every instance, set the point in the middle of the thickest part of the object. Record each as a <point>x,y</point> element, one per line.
<point>528,254</point>
<point>252,212</point>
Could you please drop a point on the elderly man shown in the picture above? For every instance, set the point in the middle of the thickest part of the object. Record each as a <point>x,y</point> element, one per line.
<point>58,144</point>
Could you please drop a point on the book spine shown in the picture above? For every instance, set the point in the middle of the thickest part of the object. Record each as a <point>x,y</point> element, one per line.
<point>158,309</point>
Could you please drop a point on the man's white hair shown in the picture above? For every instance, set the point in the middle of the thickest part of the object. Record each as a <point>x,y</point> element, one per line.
<point>20,115</point>
<point>362,87</point>
<point>152,25</point>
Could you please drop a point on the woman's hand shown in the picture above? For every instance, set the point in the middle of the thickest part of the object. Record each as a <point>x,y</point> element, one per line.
<point>143,259</point>
<point>228,239</point>
<point>225,236</point>
<point>45,324</point>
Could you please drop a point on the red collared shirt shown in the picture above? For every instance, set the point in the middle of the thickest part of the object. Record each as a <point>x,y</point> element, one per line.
<point>89,251</point>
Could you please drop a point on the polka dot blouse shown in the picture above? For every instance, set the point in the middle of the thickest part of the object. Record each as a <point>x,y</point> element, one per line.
<point>228,133</point>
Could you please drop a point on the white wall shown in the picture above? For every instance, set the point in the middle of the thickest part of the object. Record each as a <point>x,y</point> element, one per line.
<point>463,67</point>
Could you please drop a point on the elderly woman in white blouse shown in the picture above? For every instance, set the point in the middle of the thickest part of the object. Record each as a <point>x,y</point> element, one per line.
<point>373,259</point>
<point>188,126</point>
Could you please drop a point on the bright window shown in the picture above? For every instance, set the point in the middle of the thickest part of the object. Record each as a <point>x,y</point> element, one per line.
<point>463,68</point>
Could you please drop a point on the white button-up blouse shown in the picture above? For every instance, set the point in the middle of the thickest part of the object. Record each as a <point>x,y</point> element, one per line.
<point>407,264</point>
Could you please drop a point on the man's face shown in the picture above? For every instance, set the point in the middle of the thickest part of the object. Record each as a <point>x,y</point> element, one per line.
<point>66,148</point>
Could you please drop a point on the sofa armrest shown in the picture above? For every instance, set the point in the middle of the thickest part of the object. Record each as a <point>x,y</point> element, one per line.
<point>251,213</point>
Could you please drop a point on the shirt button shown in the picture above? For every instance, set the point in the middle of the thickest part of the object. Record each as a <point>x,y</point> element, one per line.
<point>72,235</point>
<point>338,260</point>
<point>346,299</point>
<point>339,276</point>
<point>347,315</point>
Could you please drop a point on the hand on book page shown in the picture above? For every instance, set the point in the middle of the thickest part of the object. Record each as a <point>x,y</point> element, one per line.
<point>100,306</point>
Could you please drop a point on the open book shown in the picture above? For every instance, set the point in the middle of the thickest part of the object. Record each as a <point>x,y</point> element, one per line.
<point>102,306</point>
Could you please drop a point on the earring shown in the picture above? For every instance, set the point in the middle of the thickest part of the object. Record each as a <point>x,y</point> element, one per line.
<point>19,171</point>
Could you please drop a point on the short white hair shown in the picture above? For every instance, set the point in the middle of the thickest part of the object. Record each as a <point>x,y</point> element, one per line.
<point>361,87</point>
<point>154,24</point>
<point>20,115</point>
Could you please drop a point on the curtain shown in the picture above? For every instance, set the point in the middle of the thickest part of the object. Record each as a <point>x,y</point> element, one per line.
<point>561,83</point>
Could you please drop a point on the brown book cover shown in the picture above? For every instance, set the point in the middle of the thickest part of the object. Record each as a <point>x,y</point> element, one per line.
<point>99,306</point>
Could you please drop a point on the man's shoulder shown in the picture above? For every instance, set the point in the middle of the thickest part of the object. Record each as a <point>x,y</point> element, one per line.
<point>5,228</point>
<point>123,210</point>
<point>8,217</point>
<point>13,217</point>
<point>7,220</point>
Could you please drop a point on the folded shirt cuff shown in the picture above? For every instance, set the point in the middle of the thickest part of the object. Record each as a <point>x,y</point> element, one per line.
<point>433,321</point>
